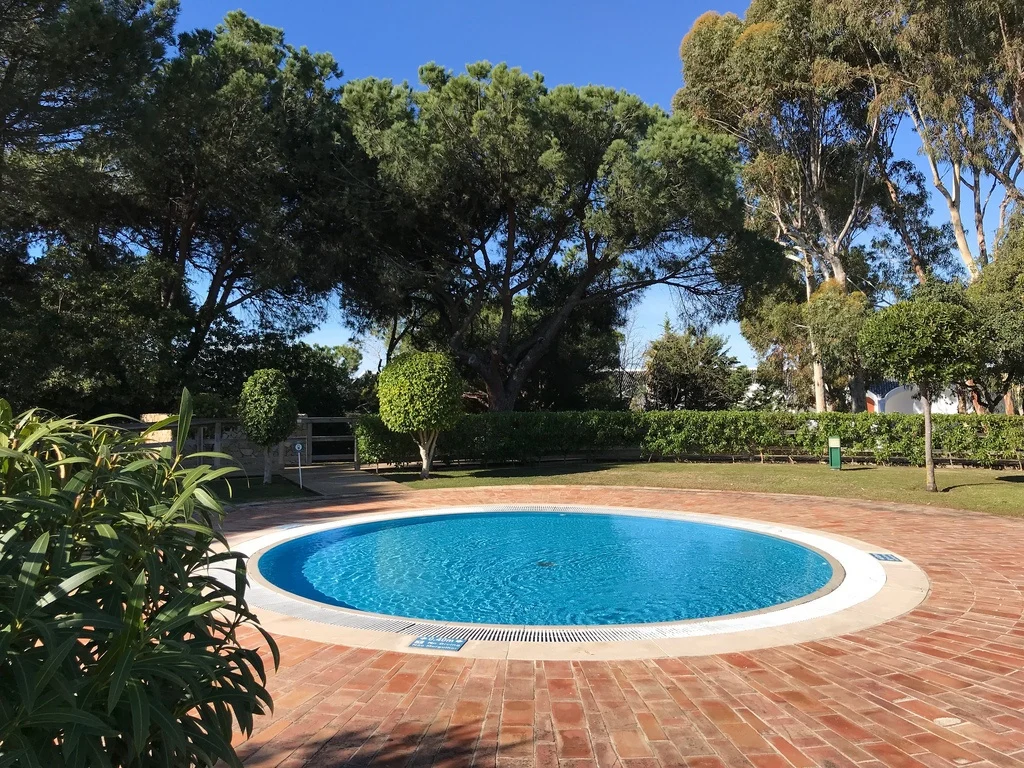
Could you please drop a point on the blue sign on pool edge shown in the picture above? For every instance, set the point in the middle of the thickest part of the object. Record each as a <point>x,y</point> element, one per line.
<point>438,643</point>
<point>886,557</point>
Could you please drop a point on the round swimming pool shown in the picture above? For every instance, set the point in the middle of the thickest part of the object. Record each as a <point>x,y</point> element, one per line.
<point>546,568</point>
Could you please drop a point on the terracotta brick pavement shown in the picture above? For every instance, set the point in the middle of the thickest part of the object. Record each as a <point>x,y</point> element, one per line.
<point>940,686</point>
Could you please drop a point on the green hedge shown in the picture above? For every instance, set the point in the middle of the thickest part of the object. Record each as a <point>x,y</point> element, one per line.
<point>528,436</point>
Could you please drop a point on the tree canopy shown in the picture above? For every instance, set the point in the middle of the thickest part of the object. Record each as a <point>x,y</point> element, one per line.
<point>693,371</point>
<point>421,394</point>
<point>500,186</point>
<point>929,343</point>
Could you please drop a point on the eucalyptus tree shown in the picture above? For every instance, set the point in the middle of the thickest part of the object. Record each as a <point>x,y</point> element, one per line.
<point>997,301</point>
<point>499,186</point>
<point>955,69</point>
<point>784,82</point>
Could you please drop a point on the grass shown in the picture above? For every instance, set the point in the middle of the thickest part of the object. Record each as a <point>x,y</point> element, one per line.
<point>248,489</point>
<point>999,492</point>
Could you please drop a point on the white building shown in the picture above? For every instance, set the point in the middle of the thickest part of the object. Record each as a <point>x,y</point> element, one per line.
<point>890,397</point>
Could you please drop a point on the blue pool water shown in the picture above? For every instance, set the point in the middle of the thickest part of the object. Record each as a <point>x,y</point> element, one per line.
<point>545,568</point>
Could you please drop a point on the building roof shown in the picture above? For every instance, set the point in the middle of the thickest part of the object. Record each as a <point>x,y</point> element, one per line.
<point>882,388</point>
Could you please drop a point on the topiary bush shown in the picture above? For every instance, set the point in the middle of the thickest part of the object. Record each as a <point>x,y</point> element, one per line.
<point>928,343</point>
<point>119,643</point>
<point>528,436</point>
<point>268,412</point>
<point>420,394</point>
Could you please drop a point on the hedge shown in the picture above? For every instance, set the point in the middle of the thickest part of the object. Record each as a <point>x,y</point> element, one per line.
<point>528,436</point>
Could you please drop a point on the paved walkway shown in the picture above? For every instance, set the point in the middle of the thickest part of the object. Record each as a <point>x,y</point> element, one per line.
<point>940,686</point>
<point>341,480</point>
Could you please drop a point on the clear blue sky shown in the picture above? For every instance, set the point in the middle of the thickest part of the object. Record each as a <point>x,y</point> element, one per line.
<point>631,45</point>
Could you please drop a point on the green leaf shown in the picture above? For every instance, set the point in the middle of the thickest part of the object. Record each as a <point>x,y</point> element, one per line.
<point>184,420</point>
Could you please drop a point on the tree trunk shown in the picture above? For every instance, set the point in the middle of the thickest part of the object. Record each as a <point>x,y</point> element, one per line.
<point>975,400</point>
<point>266,466</point>
<point>1008,402</point>
<point>929,461</point>
<point>858,391</point>
<point>819,384</point>
<point>817,367</point>
<point>427,444</point>
<point>499,398</point>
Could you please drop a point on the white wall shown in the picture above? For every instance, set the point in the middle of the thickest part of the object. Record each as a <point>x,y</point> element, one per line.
<point>905,400</point>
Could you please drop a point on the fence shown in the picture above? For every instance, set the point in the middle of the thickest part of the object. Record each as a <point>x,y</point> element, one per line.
<point>323,439</point>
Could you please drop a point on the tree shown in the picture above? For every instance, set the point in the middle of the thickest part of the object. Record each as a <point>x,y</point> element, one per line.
<point>997,300</point>
<point>160,197</point>
<point>955,70</point>
<point>237,181</point>
<point>69,70</point>
<point>322,379</point>
<point>76,334</point>
<point>782,81</point>
<point>420,394</point>
<point>931,344</point>
<point>693,371</point>
<point>267,411</point>
<point>834,318</point>
<point>497,185</point>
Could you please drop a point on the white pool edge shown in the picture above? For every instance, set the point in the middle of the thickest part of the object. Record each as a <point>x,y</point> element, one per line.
<point>865,577</point>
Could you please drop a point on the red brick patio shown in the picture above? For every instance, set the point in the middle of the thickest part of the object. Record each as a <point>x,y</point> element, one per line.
<point>940,686</point>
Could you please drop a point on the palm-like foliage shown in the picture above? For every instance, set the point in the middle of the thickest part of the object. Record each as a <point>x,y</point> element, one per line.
<point>121,605</point>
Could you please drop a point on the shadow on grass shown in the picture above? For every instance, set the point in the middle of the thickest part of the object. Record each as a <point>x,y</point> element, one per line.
<point>411,742</point>
<point>996,482</point>
<point>505,471</point>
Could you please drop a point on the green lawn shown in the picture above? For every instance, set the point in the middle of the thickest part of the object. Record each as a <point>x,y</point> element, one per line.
<point>245,490</point>
<point>999,492</point>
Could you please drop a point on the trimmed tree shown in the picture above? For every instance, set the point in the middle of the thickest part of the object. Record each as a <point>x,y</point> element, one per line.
<point>931,344</point>
<point>268,411</point>
<point>421,393</point>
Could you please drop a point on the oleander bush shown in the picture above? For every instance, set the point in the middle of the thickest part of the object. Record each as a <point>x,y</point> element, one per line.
<point>528,436</point>
<point>123,624</point>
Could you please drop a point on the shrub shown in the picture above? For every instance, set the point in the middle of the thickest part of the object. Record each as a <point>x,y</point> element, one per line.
<point>420,394</point>
<point>268,411</point>
<point>118,644</point>
<point>928,343</point>
<point>528,436</point>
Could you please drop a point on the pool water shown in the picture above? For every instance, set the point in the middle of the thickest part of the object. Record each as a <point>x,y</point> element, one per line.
<point>545,568</point>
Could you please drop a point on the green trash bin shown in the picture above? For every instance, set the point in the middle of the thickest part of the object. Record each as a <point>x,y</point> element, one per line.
<point>835,453</point>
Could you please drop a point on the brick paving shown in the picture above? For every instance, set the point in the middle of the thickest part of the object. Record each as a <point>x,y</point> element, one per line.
<point>940,686</point>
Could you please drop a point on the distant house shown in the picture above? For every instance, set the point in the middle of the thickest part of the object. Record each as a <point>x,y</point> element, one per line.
<point>891,397</point>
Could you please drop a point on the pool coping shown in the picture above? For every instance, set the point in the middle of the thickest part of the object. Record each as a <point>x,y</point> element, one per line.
<point>870,592</point>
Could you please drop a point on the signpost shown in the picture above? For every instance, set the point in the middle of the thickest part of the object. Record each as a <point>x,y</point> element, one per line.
<point>298,453</point>
<point>835,453</point>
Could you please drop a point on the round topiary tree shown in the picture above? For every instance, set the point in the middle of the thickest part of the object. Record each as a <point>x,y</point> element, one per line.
<point>928,343</point>
<point>268,411</point>
<point>420,393</point>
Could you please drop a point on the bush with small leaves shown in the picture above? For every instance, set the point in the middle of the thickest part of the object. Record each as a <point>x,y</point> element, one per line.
<point>928,343</point>
<point>421,394</point>
<point>268,411</point>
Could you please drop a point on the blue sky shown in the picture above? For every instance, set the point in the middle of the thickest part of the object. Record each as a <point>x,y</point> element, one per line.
<point>631,45</point>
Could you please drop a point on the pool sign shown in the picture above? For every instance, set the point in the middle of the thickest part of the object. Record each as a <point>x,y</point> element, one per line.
<point>298,453</point>
<point>438,643</point>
